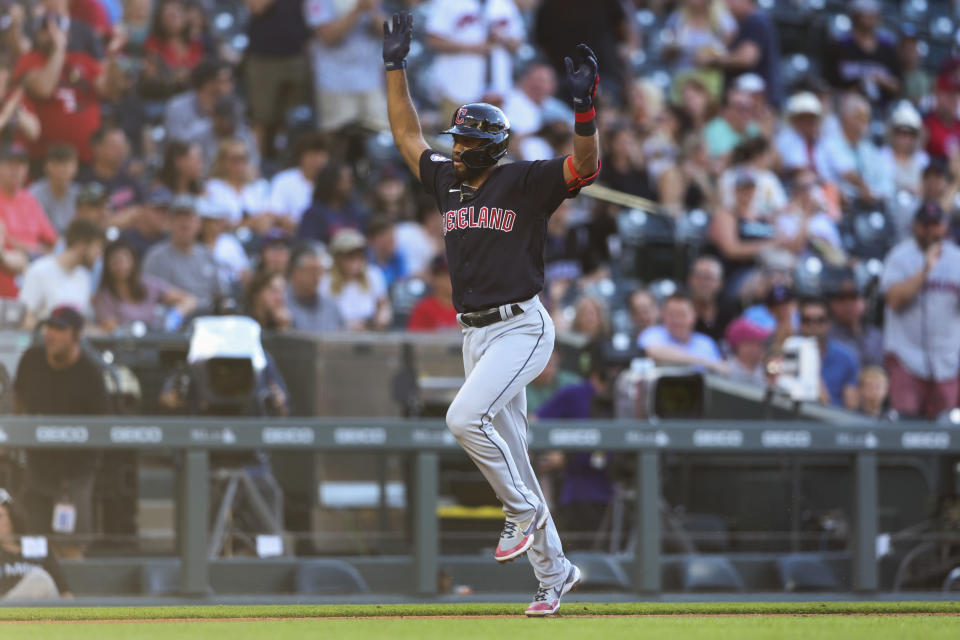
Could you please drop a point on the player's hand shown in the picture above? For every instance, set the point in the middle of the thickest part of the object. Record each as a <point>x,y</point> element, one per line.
<point>584,79</point>
<point>396,40</point>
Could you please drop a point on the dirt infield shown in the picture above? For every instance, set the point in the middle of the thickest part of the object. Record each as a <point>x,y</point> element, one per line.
<point>483,617</point>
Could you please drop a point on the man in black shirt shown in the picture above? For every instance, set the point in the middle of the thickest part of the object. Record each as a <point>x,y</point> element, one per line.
<point>57,378</point>
<point>865,59</point>
<point>755,49</point>
<point>495,227</point>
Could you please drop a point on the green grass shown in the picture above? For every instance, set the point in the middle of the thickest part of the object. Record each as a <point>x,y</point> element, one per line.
<point>733,628</point>
<point>570,608</point>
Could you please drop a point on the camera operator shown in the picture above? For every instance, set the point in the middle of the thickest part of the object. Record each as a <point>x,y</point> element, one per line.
<point>57,378</point>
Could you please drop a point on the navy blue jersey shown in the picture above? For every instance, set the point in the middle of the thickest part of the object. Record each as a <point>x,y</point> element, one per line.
<point>495,237</point>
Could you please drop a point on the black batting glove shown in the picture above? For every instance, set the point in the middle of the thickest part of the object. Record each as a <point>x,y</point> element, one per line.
<point>584,79</point>
<point>396,40</point>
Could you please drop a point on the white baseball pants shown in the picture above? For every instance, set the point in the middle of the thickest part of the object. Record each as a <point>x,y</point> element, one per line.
<point>489,419</point>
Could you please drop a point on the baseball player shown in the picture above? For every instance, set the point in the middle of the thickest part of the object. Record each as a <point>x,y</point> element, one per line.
<point>495,225</point>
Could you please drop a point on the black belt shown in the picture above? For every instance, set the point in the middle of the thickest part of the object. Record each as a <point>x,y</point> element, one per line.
<point>478,319</point>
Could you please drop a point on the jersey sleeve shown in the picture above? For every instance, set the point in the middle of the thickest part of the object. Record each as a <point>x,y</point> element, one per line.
<point>436,171</point>
<point>543,180</point>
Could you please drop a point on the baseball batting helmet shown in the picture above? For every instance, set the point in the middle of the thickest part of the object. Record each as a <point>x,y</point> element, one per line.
<point>485,121</point>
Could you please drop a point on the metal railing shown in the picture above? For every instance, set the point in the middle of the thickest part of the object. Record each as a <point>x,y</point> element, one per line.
<point>424,440</point>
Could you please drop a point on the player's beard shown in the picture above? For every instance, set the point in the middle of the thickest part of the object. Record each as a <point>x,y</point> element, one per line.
<point>466,174</point>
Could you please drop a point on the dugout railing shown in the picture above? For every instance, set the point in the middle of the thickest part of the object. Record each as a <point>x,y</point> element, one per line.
<point>192,440</point>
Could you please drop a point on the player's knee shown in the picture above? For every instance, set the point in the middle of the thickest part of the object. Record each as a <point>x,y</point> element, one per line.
<point>459,419</point>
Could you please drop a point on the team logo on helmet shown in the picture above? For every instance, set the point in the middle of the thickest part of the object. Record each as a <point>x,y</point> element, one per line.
<point>461,112</point>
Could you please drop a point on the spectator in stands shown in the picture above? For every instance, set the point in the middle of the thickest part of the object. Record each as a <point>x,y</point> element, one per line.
<point>27,226</point>
<point>778,313</point>
<point>291,190</point>
<point>741,236</point>
<point>691,184</point>
<point>135,22</point>
<point>805,227</point>
<point>435,311</point>
<point>644,311</point>
<point>732,126</point>
<point>903,157</point>
<point>705,282</point>
<point>224,246</point>
<point>57,191</point>
<point>942,124</point>
<point>531,102</point>
<point>422,239</point>
<point>235,188</point>
<point>92,204</point>
<point>64,78</point>
<point>226,125</point>
<point>921,329</point>
<point>182,170</point>
<point>171,51</point>
<point>798,142</point>
<point>839,367</point>
<point>551,379</point>
<point>390,194</point>
<point>851,160</point>
<point>17,119</point>
<point>384,252</point>
<point>310,311</point>
<point>762,113</point>
<point>346,65</point>
<point>748,346</point>
<point>696,30</point>
<point>111,151</point>
<point>754,157</point>
<point>473,42</point>
<point>65,278</point>
<point>25,577</point>
<point>675,341</point>
<point>624,167</point>
<point>184,263</point>
<point>754,49</point>
<point>152,222</point>
<point>865,59</point>
<point>58,378</point>
<point>847,312</point>
<point>872,393</point>
<point>605,26</point>
<point>126,295</point>
<point>916,81</point>
<point>274,252</point>
<point>591,318</point>
<point>267,301</point>
<point>358,288</point>
<point>275,67</point>
<point>189,116</point>
<point>335,205</point>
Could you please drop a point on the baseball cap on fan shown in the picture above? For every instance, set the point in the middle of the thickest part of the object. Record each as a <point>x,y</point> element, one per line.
<point>751,83</point>
<point>65,317</point>
<point>929,212</point>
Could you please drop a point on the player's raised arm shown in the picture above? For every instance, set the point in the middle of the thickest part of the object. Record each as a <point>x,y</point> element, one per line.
<point>582,167</point>
<point>404,122</point>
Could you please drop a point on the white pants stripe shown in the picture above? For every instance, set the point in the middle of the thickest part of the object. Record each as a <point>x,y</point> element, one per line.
<point>489,419</point>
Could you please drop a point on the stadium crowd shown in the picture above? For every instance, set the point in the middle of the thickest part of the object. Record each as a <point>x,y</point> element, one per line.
<point>163,159</point>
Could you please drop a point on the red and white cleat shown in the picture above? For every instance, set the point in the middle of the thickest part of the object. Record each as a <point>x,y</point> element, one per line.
<point>547,600</point>
<point>517,537</point>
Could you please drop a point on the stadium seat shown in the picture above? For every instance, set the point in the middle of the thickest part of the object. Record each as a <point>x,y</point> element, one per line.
<point>160,578</point>
<point>328,576</point>
<point>806,573</point>
<point>709,573</point>
<point>600,570</point>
